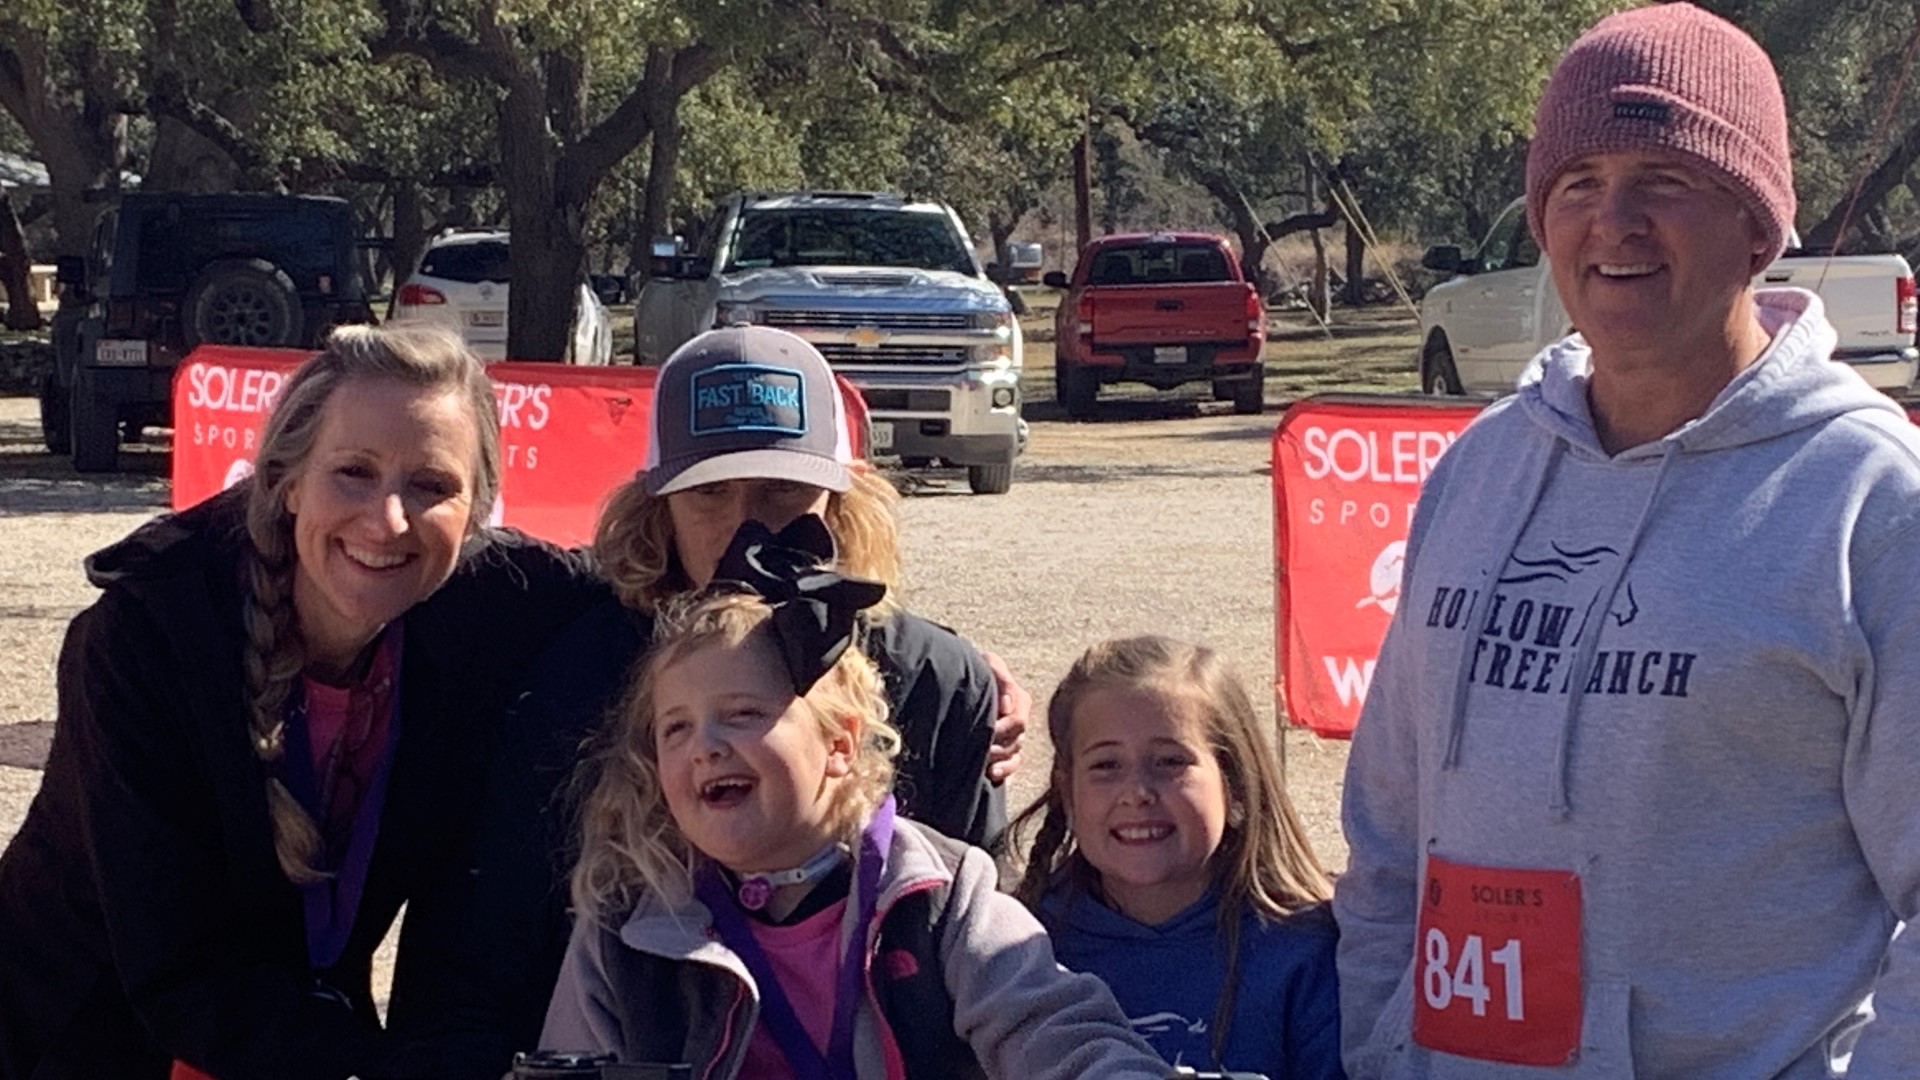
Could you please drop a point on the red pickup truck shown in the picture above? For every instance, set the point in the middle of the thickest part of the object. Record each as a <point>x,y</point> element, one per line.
<point>1164,309</point>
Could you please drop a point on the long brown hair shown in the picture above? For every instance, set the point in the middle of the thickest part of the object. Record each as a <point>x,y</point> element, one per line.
<point>1264,864</point>
<point>415,355</point>
<point>630,843</point>
<point>634,540</point>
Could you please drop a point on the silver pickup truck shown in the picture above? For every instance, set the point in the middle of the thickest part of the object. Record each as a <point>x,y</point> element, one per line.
<point>1480,327</point>
<point>888,290</point>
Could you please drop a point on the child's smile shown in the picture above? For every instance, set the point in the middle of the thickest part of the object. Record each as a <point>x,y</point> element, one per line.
<point>748,772</point>
<point>1147,801</point>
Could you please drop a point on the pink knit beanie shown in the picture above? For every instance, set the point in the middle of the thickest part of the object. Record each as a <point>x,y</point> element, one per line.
<point>1676,78</point>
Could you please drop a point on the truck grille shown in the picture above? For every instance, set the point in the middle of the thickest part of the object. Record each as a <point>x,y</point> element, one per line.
<point>889,400</point>
<point>848,320</point>
<point>853,356</point>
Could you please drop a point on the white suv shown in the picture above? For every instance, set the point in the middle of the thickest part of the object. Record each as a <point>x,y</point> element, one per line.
<point>462,284</point>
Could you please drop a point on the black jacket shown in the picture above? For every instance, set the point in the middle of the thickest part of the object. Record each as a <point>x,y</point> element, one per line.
<point>143,915</point>
<point>505,928</point>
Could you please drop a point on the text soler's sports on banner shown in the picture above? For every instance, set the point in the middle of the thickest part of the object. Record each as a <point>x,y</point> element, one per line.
<point>568,435</point>
<point>1347,472</point>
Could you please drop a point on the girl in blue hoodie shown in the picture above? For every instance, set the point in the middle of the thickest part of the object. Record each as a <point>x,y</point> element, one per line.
<point>1169,861</point>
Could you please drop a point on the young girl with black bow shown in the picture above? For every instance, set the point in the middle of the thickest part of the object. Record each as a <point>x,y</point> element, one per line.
<point>747,900</point>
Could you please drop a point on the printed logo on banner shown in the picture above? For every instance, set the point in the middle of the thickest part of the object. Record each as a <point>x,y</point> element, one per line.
<point>237,473</point>
<point>1384,579</point>
<point>749,397</point>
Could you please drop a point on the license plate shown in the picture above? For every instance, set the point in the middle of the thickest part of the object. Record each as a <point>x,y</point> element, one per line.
<point>121,354</point>
<point>882,435</point>
<point>486,320</point>
<point>1170,354</point>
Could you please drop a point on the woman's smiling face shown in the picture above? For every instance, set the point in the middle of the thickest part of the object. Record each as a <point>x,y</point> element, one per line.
<point>380,508</point>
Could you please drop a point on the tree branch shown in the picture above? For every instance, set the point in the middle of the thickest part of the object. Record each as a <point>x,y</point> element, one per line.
<point>410,33</point>
<point>668,78</point>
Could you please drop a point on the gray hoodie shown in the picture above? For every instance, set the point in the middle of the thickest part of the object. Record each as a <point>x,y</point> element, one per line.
<point>1690,673</point>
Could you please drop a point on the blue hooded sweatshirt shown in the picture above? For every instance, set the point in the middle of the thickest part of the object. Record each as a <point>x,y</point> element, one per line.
<point>1167,978</point>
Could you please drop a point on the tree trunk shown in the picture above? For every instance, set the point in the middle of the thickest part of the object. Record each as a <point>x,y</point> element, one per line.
<point>1355,292</point>
<point>16,271</point>
<point>409,231</point>
<point>663,174</point>
<point>1318,297</point>
<point>1083,188</point>
<point>999,232</point>
<point>548,254</point>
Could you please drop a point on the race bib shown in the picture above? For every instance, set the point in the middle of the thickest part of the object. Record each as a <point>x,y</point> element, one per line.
<point>1497,964</point>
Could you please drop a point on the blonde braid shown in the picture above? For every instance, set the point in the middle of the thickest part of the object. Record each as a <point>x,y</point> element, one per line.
<point>273,660</point>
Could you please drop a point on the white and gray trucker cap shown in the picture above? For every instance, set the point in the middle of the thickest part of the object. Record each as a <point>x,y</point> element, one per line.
<point>747,402</point>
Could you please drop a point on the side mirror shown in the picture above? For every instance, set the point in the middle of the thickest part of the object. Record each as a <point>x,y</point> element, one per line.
<point>1055,279</point>
<point>70,270</point>
<point>1445,259</point>
<point>664,247</point>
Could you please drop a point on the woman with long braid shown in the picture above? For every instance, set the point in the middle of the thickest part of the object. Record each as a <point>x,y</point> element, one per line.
<point>270,728</point>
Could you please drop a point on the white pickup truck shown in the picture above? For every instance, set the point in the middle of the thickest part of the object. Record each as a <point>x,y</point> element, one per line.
<point>1480,327</point>
<point>888,290</point>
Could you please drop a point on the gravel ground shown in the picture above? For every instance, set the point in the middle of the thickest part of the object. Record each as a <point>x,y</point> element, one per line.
<point>1154,517</point>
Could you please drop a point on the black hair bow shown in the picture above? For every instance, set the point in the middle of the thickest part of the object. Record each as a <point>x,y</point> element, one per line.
<point>814,609</point>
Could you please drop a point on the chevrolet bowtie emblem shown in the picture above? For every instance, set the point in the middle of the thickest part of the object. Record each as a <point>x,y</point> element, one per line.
<point>868,337</point>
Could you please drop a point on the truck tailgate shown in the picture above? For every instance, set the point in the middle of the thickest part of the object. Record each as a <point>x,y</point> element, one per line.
<point>1152,314</point>
<point>1860,292</point>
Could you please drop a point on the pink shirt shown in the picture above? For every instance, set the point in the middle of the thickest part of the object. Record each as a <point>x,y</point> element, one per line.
<point>346,734</point>
<point>806,959</point>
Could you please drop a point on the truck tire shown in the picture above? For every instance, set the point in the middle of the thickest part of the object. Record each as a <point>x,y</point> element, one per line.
<point>56,428</point>
<point>95,430</point>
<point>1438,377</point>
<point>1250,394</point>
<point>990,479</point>
<point>1078,389</point>
<point>242,302</point>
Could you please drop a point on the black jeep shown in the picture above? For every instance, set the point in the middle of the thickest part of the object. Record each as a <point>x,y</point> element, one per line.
<point>169,272</point>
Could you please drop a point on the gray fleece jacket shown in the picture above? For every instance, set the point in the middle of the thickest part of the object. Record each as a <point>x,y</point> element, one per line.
<point>1690,673</point>
<point>662,987</point>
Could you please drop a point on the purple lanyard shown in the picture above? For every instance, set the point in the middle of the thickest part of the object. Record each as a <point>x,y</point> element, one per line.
<point>331,904</point>
<point>775,1010</point>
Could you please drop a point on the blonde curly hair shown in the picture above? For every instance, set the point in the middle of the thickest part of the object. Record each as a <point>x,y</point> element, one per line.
<point>630,843</point>
<point>634,541</point>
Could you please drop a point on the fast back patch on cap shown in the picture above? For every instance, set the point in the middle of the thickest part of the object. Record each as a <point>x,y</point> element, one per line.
<point>1655,112</point>
<point>749,397</point>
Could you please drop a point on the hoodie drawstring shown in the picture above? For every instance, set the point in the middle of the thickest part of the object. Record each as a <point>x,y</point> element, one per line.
<point>1557,781</point>
<point>1589,647</point>
<point>1490,577</point>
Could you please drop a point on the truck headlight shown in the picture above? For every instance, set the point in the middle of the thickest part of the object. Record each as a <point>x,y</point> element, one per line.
<point>734,315</point>
<point>1000,322</point>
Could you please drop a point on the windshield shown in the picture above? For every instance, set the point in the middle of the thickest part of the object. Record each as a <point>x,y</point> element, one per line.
<point>1172,264</point>
<point>469,262</point>
<point>818,237</point>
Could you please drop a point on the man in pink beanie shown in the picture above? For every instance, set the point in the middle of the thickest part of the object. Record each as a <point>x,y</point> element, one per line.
<point>1633,793</point>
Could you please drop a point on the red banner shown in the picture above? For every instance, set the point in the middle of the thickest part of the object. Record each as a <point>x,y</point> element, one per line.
<point>1346,474</point>
<point>568,435</point>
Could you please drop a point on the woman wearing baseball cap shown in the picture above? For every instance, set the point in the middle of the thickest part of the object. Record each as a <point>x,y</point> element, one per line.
<point>747,424</point>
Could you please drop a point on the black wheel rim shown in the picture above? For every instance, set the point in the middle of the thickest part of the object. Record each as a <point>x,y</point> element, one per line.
<point>240,317</point>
